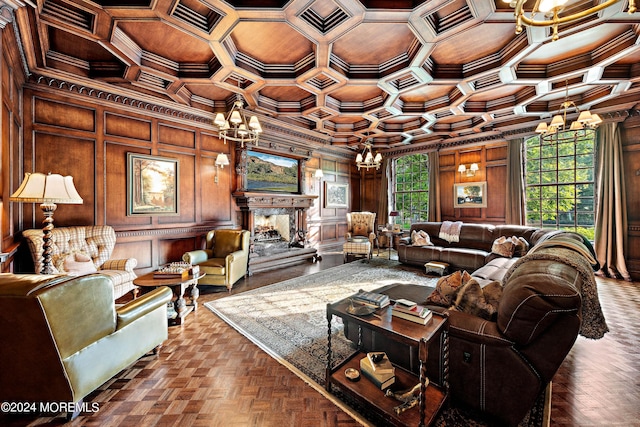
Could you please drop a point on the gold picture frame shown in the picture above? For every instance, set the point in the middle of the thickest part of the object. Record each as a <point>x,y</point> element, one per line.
<point>470,195</point>
<point>152,185</point>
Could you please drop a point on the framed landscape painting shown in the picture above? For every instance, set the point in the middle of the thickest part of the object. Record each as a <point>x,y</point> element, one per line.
<point>152,185</point>
<point>336,195</point>
<point>470,195</point>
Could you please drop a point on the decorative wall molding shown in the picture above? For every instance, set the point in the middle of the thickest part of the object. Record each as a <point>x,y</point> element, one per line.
<point>182,231</point>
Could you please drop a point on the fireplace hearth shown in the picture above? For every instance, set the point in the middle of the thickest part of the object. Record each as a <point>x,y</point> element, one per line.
<point>278,228</point>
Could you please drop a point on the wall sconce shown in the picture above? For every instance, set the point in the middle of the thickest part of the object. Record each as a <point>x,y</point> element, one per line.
<point>318,177</point>
<point>221,161</point>
<point>469,172</point>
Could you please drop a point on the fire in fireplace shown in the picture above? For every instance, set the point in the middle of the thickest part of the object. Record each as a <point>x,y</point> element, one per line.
<point>272,228</point>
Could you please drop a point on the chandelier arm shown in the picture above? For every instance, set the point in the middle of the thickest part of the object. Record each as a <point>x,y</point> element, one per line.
<point>520,15</point>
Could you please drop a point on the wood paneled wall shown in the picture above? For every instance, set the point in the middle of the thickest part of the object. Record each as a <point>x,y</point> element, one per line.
<point>492,163</point>
<point>90,142</point>
<point>11,81</point>
<point>328,226</point>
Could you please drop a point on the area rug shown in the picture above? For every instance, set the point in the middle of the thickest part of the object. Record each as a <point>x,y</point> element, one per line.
<point>288,320</point>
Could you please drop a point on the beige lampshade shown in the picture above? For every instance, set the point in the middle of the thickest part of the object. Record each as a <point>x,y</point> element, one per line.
<point>51,188</point>
<point>319,174</point>
<point>542,127</point>
<point>222,160</point>
<point>557,121</point>
<point>462,168</point>
<point>474,167</point>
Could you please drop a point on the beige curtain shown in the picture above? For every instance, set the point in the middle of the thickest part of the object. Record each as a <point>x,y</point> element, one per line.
<point>514,207</point>
<point>434,186</point>
<point>382,215</point>
<point>611,209</point>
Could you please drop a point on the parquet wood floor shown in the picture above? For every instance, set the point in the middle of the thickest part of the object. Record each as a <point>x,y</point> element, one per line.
<point>209,375</point>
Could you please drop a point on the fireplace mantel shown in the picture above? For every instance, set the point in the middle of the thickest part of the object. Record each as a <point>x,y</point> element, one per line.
<point>253,200</point>
<point>296,204</point>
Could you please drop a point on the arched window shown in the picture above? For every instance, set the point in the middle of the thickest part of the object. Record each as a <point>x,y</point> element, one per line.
<point>411,189</point>
<point>559,182</point>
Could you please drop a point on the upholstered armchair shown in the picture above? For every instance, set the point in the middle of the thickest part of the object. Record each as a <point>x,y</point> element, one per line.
<point>84,249</point>
<point>63,336</point>
<point>224,259</point>
<point>361,224</point>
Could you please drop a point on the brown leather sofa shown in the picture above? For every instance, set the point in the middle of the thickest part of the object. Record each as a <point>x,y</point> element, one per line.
<point>500,366</point>
<point>62,336</point>
<point>470,252</point>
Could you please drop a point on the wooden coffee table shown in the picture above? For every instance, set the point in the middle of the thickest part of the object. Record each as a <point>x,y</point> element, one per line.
<point>180,307</point>
<point>432,397</point>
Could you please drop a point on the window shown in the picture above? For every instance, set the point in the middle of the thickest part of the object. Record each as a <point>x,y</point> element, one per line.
<point>411,189</point>
<point>559,182</point>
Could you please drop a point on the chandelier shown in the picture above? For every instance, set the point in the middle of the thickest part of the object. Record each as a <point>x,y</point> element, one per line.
<point>551,10</point>
<point>586,120</point>
<point>235,127</point>
<point>366,159</point>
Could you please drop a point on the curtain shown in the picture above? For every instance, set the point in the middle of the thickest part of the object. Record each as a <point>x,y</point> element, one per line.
<point>514,207</point>
<point>434,186</point>
<point>611,209</point>
<point>383,201</point>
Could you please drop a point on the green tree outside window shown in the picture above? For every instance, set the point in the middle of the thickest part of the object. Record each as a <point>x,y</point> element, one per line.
<point>559,182</point>
<point>411,189</point>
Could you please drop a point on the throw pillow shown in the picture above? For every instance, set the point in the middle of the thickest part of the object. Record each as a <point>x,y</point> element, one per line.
<point>447,288</point>
<point>471,300</point>
<point>75,264</point>
<point>503,246</point>
<point>360,230</point>
<point>522,246</point>
<point>492,294</point>
<point>420,238</point>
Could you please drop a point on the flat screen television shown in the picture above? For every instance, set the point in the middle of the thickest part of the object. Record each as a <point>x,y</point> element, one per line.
<point>272,173</point>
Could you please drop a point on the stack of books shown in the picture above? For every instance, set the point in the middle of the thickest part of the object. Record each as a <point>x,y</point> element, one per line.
<point>411,311</point>
<point>377,368</point>
<point>372,299</point>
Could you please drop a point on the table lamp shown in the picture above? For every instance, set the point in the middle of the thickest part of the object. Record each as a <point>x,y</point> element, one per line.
<point>48,190</point>
<point>393,215</point>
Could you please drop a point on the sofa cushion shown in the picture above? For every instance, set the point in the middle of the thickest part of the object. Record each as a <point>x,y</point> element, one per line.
<point>522,247</point>
<point>447,288</point>
<point>75,264</point>
<point>464,258</point>
<point>360,230</point>
<point>504,246</point>
<point>471,299</point>
<point>494,270</point>
<point>226,241</point>
<point>420,238</point>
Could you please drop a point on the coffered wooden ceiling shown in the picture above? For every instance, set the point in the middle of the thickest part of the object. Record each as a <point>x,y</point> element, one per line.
<point>400,72</point>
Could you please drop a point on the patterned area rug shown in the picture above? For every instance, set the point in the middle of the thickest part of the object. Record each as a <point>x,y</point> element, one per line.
<point>288,321</point>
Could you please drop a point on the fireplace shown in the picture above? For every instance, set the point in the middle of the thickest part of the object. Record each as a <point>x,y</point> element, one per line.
<point>278,226</point>
<point>273,230</point>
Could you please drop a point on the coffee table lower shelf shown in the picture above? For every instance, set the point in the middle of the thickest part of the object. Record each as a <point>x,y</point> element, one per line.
<point>373,401</point>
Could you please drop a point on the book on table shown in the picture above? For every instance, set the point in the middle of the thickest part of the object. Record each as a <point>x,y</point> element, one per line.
<point>380,363</point>
<point>373,299</point>
<point>418,313</point>
<point>382,381</point>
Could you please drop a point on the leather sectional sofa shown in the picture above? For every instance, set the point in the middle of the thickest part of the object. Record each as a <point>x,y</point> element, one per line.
<point>501,365</point>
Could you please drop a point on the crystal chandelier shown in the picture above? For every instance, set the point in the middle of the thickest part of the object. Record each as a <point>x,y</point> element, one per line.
<point>235,127</point>
<point>586,120</point>
<point>366,159</point>
<point>551,9</point>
